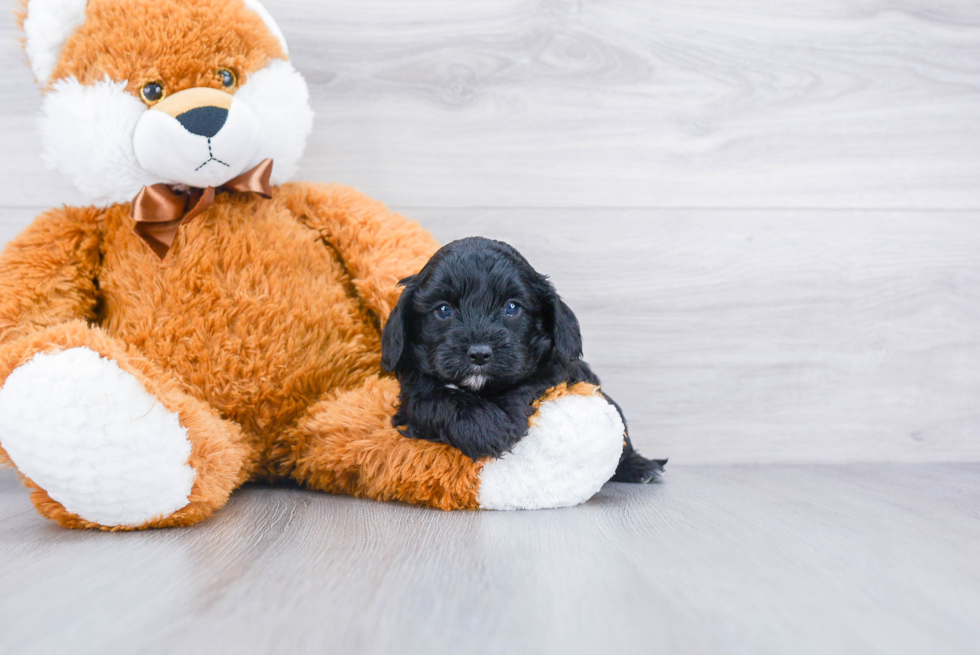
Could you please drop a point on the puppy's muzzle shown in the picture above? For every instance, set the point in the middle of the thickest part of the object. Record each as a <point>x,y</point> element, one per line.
<point>479,355</point>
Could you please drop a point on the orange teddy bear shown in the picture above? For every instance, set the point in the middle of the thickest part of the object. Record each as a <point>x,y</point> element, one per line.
<point>205,322</point>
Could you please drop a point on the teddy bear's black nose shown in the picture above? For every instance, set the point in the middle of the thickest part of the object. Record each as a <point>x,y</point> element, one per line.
<point>204,121</point>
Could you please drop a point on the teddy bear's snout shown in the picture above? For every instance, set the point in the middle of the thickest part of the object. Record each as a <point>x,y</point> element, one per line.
<point>201,111</point>
<point>204,121</point>
<point>199,137</point>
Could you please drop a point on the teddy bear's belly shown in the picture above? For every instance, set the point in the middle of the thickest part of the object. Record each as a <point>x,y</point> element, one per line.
<point>258,341</point>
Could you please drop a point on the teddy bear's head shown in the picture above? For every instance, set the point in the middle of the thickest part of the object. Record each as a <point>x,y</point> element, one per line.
<point>183,92</point>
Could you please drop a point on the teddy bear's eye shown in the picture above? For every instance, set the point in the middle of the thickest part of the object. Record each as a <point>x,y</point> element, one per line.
<point>227,78</point>
<point>152,92</point>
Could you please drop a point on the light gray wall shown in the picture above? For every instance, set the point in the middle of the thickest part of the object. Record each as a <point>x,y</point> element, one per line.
<point>764,213</point>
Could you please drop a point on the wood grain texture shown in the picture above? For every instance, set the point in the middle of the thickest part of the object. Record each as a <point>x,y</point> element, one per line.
<point>769,336</point>
<point>738,332</point>
<point>729,335</point>
<point>764,336</point>
<point>754,559</point>
<point>568,103</point>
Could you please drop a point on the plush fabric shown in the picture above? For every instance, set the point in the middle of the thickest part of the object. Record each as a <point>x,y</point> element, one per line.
<point>556,464</point>
<point>95,439</point>
<point>92,116</point>
<point>138,391</point>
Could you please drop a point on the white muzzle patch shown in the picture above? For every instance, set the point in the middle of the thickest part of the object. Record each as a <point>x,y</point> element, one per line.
<point>474,382</point>
<point>205,146</point>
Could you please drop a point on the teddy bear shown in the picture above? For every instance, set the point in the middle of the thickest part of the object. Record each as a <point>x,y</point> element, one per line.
<point>205,322</point>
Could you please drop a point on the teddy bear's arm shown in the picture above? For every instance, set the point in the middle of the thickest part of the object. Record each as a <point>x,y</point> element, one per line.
<point>48,273</point>
<point>377,246</point>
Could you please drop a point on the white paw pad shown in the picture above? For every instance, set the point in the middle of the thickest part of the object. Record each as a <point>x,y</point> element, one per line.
<point>94,439</point>
<point>566,457</point>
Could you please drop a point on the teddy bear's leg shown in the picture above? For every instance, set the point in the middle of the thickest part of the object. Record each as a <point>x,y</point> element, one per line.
<point>108,439</point>
<point>346,445</point>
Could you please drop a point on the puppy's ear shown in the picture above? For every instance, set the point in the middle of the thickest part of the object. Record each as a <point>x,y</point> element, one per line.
<point>566,334</point>
<point>395,335</point>
<point>566,337</point>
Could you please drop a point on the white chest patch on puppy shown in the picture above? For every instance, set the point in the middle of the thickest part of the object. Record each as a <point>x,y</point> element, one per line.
<point>90,435</point>
<point>566,457</point>
<point>474,382</point>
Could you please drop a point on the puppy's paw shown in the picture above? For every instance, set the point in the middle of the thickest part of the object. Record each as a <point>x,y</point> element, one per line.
<point>571,450</point>
<point>637,469</point>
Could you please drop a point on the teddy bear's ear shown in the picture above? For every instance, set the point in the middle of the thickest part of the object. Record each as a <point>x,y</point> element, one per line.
<point>47,26</point>
<point>269,21</point>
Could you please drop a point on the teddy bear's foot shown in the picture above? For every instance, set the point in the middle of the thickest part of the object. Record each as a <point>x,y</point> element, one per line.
<point>571,450</point>
<point>108,440</point>
<point>88,434</point>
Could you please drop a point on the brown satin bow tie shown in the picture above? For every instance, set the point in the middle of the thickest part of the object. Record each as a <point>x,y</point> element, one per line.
<point>160,209</point>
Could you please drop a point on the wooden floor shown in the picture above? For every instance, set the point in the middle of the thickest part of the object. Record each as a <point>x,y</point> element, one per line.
<point>766,215</point>
<point>717,559</point>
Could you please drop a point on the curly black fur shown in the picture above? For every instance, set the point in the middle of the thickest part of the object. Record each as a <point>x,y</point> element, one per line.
<point>477,336</point>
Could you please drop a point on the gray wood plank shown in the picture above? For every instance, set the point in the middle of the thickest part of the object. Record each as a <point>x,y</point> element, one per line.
<point>764,336</point>
<point>750,559</point>
<point>682,103</point>
<point>760,336</point>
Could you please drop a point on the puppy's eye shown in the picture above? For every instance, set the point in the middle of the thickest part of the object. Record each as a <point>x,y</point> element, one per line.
<point>152,92</point>
<point>444,311</point>
<point>227,78</point>
<point>512,309</point>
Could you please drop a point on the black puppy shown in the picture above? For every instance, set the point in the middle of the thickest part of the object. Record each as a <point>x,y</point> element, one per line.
<point>477,336</point>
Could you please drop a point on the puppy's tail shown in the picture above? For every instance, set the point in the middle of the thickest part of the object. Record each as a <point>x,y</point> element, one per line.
<point>635,468</point>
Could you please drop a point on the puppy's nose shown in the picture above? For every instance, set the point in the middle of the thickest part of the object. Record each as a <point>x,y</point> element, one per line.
<point>480,355</point>
<point>204,121</point>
